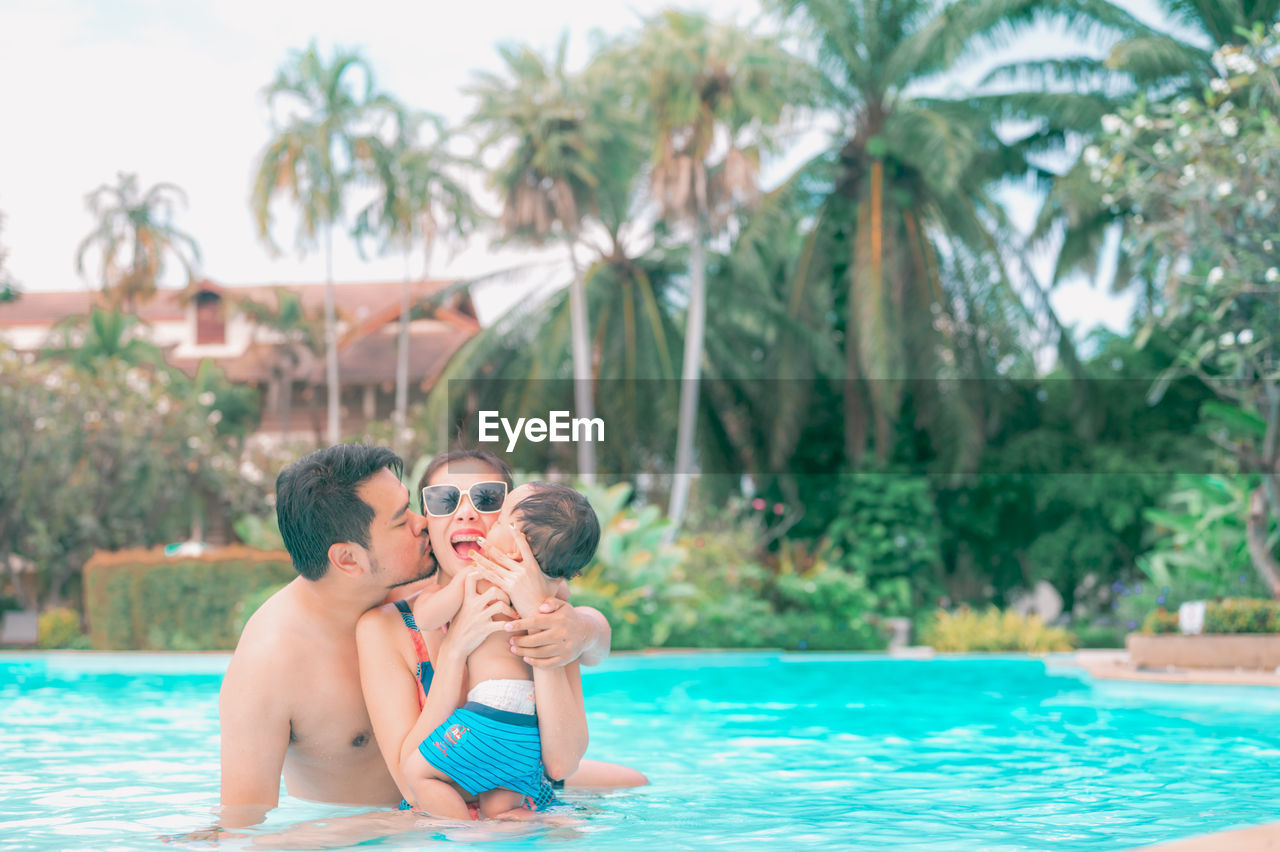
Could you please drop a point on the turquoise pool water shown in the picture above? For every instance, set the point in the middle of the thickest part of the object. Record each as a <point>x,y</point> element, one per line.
<point>768,751</point>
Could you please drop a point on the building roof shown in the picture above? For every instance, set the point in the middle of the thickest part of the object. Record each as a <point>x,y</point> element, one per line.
<point>36,308</point>
<point>366,351</point>
<point>355,302</point>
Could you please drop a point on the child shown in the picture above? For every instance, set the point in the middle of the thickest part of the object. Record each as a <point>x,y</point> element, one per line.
<point>490,747</point>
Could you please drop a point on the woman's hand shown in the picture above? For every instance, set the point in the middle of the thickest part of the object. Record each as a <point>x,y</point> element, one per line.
<point>474,621</point>
<point>522,579</point>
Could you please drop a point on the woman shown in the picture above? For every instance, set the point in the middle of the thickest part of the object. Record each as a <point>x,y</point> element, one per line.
<point>412,686</point>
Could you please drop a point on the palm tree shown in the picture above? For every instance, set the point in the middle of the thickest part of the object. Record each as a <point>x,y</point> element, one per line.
<point>906,233</point>
<point>1144,60</point>
<point>420,189</point>
<point>102,335</point>
<point>713,94</point>
<point>322,142</point>
<point>302,332</point>
<point>134,234</point>
<point>548,180</point>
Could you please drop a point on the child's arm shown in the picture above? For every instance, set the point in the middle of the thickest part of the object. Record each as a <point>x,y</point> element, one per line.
<point>433,610</point>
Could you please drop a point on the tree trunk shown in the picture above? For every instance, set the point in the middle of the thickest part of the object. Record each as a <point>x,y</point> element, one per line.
<point>331,340</point>
<point>582,396</point>
<point>402,364</point>
<point>1256,531</point>
<point>692,367</point>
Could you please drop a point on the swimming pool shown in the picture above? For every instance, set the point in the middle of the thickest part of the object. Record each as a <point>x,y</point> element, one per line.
<point>768,750</point>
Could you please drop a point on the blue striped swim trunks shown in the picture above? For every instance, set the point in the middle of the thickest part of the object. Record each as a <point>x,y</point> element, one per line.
<point>482,748</point>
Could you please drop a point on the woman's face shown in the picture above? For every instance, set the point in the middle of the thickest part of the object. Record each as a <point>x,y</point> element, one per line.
<point>453,537</point>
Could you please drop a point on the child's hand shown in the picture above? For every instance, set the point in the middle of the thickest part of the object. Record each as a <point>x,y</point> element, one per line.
<point>522,579</point>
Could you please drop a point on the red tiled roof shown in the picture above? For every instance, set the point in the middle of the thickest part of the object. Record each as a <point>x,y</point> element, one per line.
<point>356,302</point>
<point>366,352</point>
<point>48,308</point>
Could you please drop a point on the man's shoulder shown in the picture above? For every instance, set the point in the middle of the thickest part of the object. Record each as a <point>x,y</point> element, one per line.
<point>271,635</point>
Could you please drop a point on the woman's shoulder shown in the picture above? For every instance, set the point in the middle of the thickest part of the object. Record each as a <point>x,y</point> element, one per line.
<point>383,620</point>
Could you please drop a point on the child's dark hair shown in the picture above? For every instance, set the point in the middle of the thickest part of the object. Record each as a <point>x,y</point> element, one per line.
<point>317,504</point>
<point>561,527</point>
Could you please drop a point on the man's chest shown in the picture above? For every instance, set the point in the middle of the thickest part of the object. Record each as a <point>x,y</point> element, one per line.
<point>328,720</point>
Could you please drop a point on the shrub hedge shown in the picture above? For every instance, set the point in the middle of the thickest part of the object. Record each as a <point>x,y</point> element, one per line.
<point>144,600</point>
<point>1242,615</point>
<point>993,630</point>
<point>1232,615</point>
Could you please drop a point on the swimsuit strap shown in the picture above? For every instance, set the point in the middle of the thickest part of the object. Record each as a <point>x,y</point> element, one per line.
<point>420,647</point>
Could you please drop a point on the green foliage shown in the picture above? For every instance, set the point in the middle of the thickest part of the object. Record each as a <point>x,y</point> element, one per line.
<point>1235,615</point>
<point>993,630</point>
<point>1200,180</point>
<point>1232,615</point>
<point>112,457</point>
<point>1160,621</point>
<point>886,530</point>
<point>142,600</point>
<point>58,628</point>
<point>1199,551</point>
<point>710,591</point>
<point>1098,636</point>
<point>261,532</point>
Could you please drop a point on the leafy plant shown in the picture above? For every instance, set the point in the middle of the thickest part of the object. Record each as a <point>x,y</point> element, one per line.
<point>1200,552</point>
<point>887,532</point>
<point>1160,621</point>
<point>1236,615</point>
<point>994,630</point>
<point>58,627</point>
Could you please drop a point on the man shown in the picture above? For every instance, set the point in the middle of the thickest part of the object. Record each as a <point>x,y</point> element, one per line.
<point>291,698</point>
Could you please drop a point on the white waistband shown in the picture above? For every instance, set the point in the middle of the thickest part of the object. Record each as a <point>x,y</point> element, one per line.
<point>514,696</point>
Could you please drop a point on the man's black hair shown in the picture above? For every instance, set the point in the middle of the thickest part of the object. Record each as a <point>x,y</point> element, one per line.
<point>317,504</point>
<point>561,527</point>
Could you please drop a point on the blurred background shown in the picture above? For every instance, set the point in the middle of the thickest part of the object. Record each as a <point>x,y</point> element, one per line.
<point>922,321</point>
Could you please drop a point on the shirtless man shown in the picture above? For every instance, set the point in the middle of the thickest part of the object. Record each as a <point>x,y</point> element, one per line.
<point>291,697</point>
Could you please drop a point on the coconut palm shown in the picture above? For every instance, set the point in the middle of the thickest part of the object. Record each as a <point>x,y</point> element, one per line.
<point>326,120</point>
<point>303,332</point>
<point>548,181</point>
<point>420,191</point>
<point>714,95</point>
<point>906,232</point>
<point>133,236</point>
<point>1158,64</point>
<point>102,335</point>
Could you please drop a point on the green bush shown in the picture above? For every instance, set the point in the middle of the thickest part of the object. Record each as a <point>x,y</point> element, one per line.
<point>887,531</point>
<point>1242,615</point>
<point>1098,636</point>
<point>143,600</point>
<point>1160,621</point>
<point>58,628</point>
<point>710,591</point>
<point>993,630</point>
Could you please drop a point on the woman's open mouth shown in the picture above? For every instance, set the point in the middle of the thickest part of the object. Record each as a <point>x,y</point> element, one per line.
<point>464,542</point>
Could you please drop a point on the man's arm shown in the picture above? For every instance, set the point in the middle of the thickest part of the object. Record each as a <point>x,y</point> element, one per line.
<point>255,733</point>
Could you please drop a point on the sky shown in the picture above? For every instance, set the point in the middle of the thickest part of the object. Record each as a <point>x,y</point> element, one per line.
<point>173,93</point>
